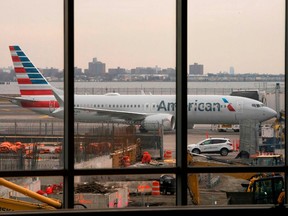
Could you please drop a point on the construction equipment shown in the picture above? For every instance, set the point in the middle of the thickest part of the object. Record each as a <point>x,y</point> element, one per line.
<point>267,159</point>
<point>9,204</point>
<point>259,159</point>
<point>273,135</point>
<point>262,188</point>
<point>193,186</point>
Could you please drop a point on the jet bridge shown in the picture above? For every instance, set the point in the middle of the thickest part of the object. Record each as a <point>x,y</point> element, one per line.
<point>249,136</point>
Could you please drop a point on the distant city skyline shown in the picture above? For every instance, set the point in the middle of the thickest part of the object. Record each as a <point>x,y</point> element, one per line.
<point>246,34</point>
<point>231,70</point>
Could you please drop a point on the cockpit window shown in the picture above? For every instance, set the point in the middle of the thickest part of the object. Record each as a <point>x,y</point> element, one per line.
<point>257,105</point>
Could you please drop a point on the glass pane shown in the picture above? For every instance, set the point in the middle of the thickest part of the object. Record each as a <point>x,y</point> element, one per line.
<point>224,189</point>
<point>32,62</point>
<point>125,81</point>
<point>241,122</point>
<point>211,147</point>
<point>227,57</point>
<point>157,190</point>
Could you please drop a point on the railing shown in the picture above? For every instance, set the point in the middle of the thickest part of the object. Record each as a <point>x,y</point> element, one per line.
<point>166,91</point>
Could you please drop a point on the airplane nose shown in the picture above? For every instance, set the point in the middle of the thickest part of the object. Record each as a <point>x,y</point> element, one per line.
<point>270,113</point>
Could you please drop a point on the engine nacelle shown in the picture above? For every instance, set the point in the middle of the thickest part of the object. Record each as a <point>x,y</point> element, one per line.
<point>153,122</point>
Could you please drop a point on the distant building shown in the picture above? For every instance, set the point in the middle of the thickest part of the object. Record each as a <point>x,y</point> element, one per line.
<point>78,74</point>
<point>116,71</point>
<point>51,74</point>
<point>77,71</point>
<point>117,74</point>
<point>231,71</point>
<point>96,68</point>
<point>196,69</point>
<point>143,70</point>
<point>7,70</point>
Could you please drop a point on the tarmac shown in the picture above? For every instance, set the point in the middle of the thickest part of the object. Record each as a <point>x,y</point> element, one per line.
<point>209,195</point>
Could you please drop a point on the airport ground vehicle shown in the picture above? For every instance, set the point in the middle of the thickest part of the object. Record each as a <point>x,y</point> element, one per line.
<point>267,160</point>
<point>9,204</point>
<point>212,145</point>
<point>262,188</point>
<point>228,127</point>
<point>167,184</point>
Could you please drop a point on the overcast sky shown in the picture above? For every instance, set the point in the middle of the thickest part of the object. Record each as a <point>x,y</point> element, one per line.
<point>245,34</point>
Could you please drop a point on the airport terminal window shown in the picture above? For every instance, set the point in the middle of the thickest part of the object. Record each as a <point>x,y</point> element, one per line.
<point>173,178</point>
<point>213,178</point>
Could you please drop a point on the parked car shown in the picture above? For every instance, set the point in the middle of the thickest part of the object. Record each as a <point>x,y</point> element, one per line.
<point>212,145</point>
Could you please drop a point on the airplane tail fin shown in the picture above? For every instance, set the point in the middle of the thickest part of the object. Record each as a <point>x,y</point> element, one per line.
<point>36,92</point>
<point>30,80</point>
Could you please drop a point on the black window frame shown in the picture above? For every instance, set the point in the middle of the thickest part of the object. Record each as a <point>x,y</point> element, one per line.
<point>181,169</point>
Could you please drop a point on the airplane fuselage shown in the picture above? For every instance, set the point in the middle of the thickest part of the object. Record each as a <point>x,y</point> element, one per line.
<point>149,111</point>
<point>202,109</point>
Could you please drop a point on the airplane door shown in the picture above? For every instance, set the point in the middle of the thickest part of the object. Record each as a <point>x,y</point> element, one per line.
<point>239,109</point>
<point>52,106</point>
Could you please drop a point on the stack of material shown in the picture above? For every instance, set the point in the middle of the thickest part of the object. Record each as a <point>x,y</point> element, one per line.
<point>93,187</point>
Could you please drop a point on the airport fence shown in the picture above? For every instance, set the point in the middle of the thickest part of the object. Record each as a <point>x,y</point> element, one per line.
<point>42,141</point>
<point>167,91</point>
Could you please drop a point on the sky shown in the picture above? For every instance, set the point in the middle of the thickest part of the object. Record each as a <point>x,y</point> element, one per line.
<point>248,35</point>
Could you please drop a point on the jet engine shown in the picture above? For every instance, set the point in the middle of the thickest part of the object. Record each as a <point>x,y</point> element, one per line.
<point>153,122</point>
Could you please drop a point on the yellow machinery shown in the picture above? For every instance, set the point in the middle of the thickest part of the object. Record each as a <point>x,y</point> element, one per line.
<point>254,189</point>
<point>261,189</point>
<point>193,178</point>
<point>8,204</point>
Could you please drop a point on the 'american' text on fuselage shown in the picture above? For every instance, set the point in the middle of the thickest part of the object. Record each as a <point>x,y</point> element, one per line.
<point>192,106</point>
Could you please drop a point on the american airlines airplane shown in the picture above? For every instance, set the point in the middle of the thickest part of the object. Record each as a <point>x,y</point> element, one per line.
<point>38,95</point>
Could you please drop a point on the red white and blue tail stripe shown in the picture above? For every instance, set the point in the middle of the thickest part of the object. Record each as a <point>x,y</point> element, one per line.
<point>33,85</point>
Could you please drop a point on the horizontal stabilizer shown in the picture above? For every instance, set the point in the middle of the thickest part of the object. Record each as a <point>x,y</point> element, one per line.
<point>17,99</point>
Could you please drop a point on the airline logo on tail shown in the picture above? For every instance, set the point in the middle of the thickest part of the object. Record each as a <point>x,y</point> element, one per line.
<point>30,80</point>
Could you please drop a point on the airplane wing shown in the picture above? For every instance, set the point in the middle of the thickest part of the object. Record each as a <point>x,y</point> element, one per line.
<point>125,115</point>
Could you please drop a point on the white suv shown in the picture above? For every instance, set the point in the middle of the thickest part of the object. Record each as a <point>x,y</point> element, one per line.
<point>212,145</point>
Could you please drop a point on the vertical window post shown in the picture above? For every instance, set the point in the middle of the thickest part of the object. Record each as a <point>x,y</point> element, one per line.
<point>68,193</point>
<point>181,101</point>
